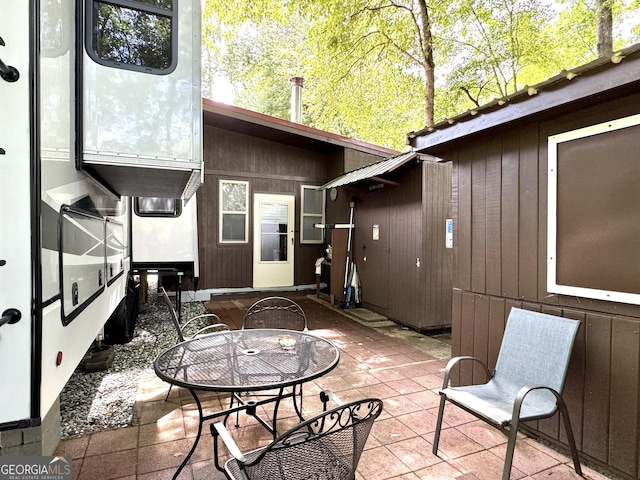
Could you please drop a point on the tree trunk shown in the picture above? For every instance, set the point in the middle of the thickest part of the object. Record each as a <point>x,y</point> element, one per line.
<point>604,35</point>
<point>428,64</point>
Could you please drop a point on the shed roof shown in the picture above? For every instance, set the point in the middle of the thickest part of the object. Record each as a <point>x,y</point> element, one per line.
<point>278,130</point>
<point>602,79</point>
<point>373,171</point>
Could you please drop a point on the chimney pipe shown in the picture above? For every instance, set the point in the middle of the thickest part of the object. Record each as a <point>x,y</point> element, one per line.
<point>296,99</point>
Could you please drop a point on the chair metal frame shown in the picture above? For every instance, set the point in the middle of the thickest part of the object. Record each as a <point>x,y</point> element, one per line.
<point>275,312</point>
<point>214,327</point>
<point>316,441</point>
<point>210,329</point>
<point>527,382</point>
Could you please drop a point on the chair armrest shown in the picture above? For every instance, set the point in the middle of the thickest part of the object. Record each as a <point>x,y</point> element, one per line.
<point>218,325</point>
<point>326,395</point>
<point>219,430</point>
<point>523,392</point>
<point>452,363</point>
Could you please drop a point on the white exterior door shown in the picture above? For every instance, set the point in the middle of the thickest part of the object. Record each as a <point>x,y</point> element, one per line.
<point>273,242</point>
<point>15,216</point>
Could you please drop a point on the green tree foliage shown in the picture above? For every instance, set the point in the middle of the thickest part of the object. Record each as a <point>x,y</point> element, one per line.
<point>377,69</point>
<point>372,62</point>
<point>497,47</point>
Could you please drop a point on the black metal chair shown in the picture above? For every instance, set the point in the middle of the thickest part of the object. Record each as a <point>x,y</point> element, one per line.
<point>325,447</point>
<point>275,312</point>
<point>527,382</point>
<point>212,324</point>
<point>211,321</point>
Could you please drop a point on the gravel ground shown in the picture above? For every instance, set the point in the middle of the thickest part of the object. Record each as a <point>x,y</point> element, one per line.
<point>92,402</point>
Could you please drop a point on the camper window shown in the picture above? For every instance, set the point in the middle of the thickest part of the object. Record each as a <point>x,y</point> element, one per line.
<point>158,207</point>
<point>140,35</point>
<point>312,212</point>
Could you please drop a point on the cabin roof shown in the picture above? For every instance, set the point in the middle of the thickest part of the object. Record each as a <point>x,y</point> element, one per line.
<point>603,79</point>
<point>256,124</point>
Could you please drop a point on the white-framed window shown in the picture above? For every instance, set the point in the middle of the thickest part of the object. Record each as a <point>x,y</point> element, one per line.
<point>593,245</point>
<point>234,211</point>
<point>311,212</point>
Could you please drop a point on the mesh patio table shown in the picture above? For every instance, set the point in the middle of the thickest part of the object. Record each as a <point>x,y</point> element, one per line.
<point>240,361</point>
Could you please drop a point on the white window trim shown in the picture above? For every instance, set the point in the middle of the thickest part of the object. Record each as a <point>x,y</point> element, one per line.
<point>221,212</point>
<point>319,217</point>
<point>552,197</point>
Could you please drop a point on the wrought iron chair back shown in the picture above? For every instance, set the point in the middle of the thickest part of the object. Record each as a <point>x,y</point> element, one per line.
<point>275,312</point>
<point>325,447</point>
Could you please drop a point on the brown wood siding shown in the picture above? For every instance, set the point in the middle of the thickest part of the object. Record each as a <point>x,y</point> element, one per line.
<point>499,193</point>
<point>407,275</point>
<point>528,215</point>
<point>623,440</point>
<point>462,228</point>
<point>373,209</point>
<point>406,279</point>
<point>436,258</point>
<point>354,159</point>
<point>493,176</point>
<point>269,167</point>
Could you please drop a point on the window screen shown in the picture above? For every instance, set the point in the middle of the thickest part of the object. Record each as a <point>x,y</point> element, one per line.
<point>312,212</point>
<point>234,220</point>
<point>594,200</point>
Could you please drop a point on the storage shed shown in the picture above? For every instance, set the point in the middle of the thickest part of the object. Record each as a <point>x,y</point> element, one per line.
<point>401,207</point>
<point>545,214</point>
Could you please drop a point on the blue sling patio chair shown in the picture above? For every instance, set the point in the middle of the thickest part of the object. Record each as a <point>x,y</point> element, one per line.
<point>527,383</point>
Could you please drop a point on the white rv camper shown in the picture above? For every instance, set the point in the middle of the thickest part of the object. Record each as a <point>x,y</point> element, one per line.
<point>100,102</point>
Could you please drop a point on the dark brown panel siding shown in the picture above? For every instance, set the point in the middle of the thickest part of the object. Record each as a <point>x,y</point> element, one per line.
<point>269,167</point>
<point>623,440</point>
<point>407,274</point>
<point>406,301</point>
<point>504,240</point>
<point>597,387</point>
<point>437,271</point>
<point>373,209</point>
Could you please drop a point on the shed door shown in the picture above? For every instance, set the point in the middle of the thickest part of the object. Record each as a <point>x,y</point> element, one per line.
<point>371,248</point>
<point>273,242</point>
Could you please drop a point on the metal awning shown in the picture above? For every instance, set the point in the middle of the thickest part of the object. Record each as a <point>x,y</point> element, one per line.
<point>371,172</point>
